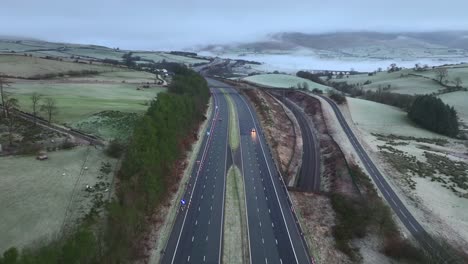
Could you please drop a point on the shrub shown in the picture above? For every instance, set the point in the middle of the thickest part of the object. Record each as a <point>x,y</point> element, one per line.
<point>115,149</point>
<point>10,256</point>
<point>317,91</point>
<point>338,98</point>
<point>67,144</point>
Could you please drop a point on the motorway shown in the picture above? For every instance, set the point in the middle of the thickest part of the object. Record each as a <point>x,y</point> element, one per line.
<point>309,175</point>
<point>273,233</point>
<point>396,204</point>
<point>197,234</point>
<point>274,236</point>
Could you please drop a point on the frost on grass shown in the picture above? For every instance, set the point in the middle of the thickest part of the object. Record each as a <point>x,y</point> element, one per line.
<point>35,195</point>
<point>109,125</point>
<point>233,124</point>
<point>235,244</point>
<point>283,81</point>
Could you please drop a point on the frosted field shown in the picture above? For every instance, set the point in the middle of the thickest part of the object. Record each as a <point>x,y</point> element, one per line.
<point>118,76</point>
<point>316,60</point>
<point>77,101</point>
<point>159,56</point>
<point>34,194</point>
<point>407,85</point>
<point>453,72</point>
<point>98,53</point>
<point>383,119</point>
<point>22,66</point>
<point>459,100</point>
<point>9,46</point>
<point>283,81</point>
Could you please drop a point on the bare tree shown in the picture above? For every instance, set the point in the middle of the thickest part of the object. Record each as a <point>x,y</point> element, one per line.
<point>35,98</point>
<point>3,83</point>
<point>9,106</point>
<point>50,108</point>
<point>458,82</point>
<point>441,73</point>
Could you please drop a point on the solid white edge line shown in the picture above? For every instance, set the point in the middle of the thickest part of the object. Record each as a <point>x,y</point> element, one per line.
<point>271,177</point>
<point>216,111</point>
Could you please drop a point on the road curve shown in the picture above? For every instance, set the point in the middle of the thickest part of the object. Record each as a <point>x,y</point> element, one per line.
<point>309,175</point>
<point>391,197</point>
<point>197,233</point>
<point>274,235</point>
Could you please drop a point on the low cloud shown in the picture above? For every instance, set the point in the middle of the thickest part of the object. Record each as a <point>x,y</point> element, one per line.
<point>149,24</point>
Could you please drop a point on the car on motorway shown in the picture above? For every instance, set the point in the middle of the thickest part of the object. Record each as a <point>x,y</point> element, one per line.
<point>253,130</point>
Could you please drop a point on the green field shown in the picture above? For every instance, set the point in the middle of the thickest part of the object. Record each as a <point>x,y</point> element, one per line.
<point>283,81</point>
<point>22,66</point>
<point>77,101</point>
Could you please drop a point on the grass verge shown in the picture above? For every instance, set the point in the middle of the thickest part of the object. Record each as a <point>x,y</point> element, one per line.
<point>235,228</point>
<point>233,123</point>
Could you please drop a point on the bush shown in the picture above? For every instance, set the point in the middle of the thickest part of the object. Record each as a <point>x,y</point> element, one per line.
<point>317,91</point>
<point>399,249</point>
<point>10,256</point>
<point>115,149</point>
<point>338,98</point>
<point>310,76</point>
<point>67,144</point>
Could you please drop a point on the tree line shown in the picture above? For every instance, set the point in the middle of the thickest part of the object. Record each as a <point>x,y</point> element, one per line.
<point>159,140</point>
<point>431,113</point>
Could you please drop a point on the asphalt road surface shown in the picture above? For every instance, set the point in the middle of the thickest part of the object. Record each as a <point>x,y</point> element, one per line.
<point>309,176</point>
<point>197,234</point>
<point>398,207</point>
<point>274,235</point>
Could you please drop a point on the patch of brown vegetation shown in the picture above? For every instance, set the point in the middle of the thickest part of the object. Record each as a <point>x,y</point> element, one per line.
<point>318,219</point>
<point>281,130</point>
<point>29,139</point>
<point>335,175</point>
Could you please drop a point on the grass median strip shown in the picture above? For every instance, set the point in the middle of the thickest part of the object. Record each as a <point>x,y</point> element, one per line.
<point>235,228</point>
<point>233,123</point>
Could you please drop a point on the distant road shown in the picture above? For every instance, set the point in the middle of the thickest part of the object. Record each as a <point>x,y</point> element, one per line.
<point>309,175</point>
<point>398,207</point>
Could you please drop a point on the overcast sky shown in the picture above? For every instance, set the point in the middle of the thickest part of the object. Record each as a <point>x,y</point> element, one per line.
<point>171,24</point>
